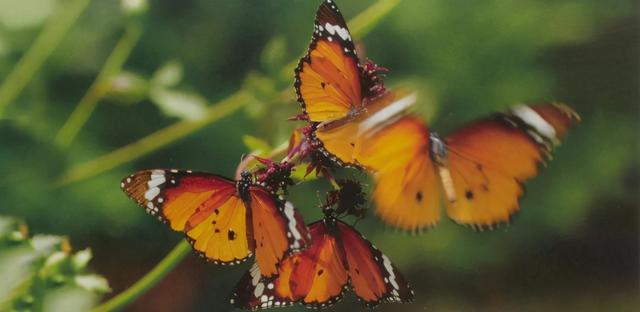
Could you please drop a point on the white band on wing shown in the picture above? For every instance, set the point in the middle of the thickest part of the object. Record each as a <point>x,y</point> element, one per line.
<point>533,119</point>
<point>387,114</point>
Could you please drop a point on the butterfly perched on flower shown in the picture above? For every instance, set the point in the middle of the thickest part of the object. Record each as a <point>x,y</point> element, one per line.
<point>330,82</point>
<point>337,258</point>
<point>225,221</point>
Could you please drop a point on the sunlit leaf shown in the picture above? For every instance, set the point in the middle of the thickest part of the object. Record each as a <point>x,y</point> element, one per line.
<point>169,75</point>
<point>181,104</point>
<point>15,14</point>
<point>256,146</point>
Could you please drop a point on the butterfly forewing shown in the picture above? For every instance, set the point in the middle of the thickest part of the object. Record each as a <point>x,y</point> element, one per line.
<point>221,226</point>
<point>490,159</point>
<point>328,80</point>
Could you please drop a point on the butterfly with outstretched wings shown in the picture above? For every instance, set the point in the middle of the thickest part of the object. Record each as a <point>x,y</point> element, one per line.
<point>479,169</point>
<point>337,258</point>
<point>225,221</point>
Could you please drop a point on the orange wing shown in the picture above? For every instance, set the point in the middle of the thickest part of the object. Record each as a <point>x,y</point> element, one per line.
<point>490,159</point>
<point>373,278</point>
<point>407,188</point>
<point>328,77</point>
<point>204,206</point>
<point>343,140</point>
<point>315,277</point>
<point>278,230</point>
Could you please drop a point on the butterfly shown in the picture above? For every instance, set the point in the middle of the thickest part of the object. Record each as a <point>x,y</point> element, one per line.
<point>336,92</point>
<point>337,258</point>
<point>225,221</point>
<point>479,169</point>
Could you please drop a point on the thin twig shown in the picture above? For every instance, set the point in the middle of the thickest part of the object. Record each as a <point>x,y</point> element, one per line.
<point>98,89</point>
<point>46,42</point>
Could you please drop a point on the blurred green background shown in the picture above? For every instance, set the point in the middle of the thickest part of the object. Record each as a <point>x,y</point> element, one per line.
<point>573,246</point>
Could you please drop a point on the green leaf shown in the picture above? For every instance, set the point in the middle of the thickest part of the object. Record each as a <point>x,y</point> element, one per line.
<point>127,88</point>
<point>169,75</point>
<point>181,104</point>
<point>273,54</point>
<point>298,173</point>
<point>42,274</point>
<point>93,282</point>
<point>256,146</point>
<point>16,14</point>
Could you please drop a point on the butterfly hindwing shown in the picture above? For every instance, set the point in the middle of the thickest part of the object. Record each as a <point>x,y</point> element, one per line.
<point>490,159</point>
<point>373,278</point>
<point>315,277</point>
<point>337,258</point>
<point>407,188</point>
<point>328,80</point>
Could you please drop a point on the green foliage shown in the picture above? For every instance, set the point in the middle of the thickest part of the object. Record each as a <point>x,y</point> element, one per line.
<point>42,274</point>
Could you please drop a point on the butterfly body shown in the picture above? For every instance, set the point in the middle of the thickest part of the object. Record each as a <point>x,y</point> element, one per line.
<point>225,221</point>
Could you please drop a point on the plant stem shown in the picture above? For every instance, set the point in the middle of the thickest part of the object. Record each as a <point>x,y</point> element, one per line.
<point>154,141</point>
<point>97,90</point>
<point>48,39</point>
<point>145,283</point>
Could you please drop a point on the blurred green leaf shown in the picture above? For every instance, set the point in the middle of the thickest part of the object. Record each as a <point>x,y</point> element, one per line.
<point>16,14</point>
<point>134,7</point>
<point>299,173</point>
<point>168,75</point>
<point>127,88</point>
<point>42,274</point>
<point>181,104</point>
<point>93,282</point>
<point>256,146</point>
<point>273,55</point>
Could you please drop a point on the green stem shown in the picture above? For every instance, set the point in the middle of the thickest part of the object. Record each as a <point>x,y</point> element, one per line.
<point>97,90</point>
<point>154,141</point>
<point>51,35</point>
<point>145,283</point>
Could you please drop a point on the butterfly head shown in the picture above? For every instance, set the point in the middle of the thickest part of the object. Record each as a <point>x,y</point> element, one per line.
<point>242,185</point>
<point>437,149</point>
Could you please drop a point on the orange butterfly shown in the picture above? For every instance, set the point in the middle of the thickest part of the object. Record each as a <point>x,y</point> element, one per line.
<point>224,220</point>
<point>336,92</point>
<point>479,168</point>
<point>337,258</point>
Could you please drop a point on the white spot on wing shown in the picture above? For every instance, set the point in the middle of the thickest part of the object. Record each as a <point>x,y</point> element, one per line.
<point>335,29</point>
<point>389,268</point>
<point>293,229</point>
<point>156,179</point>
<point>533,119</point>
